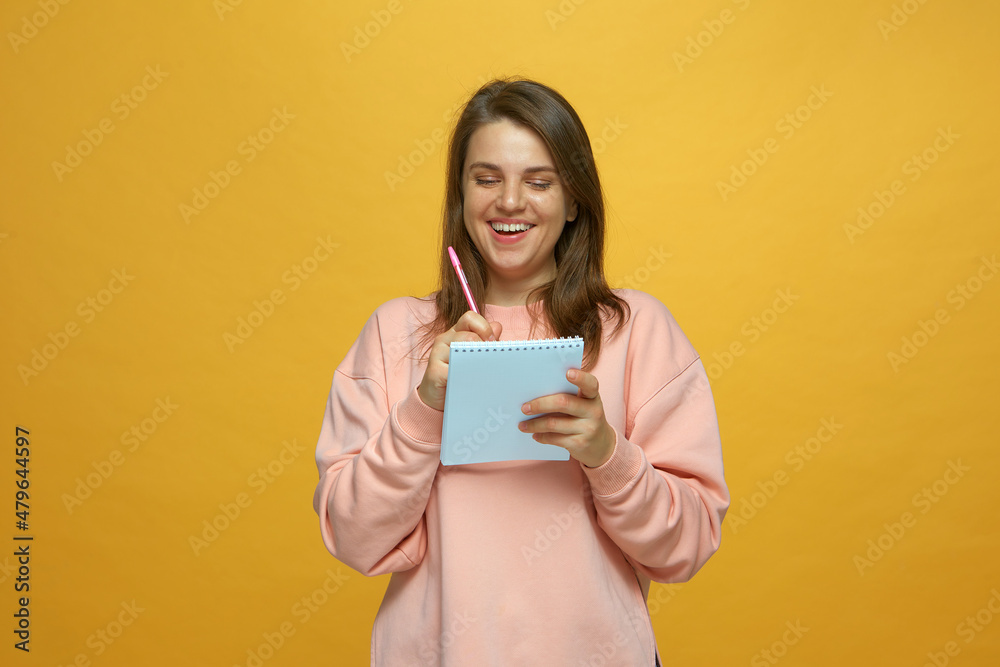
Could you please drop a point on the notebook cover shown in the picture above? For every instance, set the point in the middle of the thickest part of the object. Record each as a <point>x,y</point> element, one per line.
<point>488,382</point>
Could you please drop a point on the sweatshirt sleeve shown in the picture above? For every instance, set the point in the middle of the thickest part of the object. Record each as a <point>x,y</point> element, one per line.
<point>376,464</point>
<point>662,496</point>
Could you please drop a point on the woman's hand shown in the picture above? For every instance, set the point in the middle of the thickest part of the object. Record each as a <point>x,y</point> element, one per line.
<point>470,327</point>
<point>580,427</point>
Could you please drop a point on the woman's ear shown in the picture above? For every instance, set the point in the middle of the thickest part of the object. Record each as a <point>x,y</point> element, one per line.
<point>571,212</point>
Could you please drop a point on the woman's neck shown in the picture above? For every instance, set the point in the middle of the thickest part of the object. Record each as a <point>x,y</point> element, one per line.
<point>514,288</point>
<point>512,295</point>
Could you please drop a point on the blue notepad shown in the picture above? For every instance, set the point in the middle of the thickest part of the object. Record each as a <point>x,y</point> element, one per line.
<point>488,382</point>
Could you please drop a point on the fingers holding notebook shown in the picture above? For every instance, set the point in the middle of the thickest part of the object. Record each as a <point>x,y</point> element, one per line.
<point>576,423</point>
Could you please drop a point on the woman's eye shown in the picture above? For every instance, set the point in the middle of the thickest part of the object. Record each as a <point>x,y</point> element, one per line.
<point>537,185</point>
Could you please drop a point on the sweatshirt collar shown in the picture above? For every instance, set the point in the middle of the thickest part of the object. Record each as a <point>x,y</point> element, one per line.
<point>515,318</point>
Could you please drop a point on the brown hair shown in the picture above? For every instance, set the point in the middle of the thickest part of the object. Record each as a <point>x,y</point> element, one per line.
<point>578,296</point>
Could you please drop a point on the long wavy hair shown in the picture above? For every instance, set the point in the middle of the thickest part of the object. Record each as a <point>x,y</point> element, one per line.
<point>576,301</point>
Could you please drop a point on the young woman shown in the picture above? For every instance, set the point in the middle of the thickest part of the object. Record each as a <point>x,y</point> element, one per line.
<point>524,562</point>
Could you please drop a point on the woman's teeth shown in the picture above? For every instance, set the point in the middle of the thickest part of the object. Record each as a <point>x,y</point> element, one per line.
<point>519,227</point>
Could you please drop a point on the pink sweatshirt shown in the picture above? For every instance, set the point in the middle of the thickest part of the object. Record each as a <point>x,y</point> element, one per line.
<point>524,562</point>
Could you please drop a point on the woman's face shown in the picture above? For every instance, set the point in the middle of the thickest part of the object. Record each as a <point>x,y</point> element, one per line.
<point>510,178</point>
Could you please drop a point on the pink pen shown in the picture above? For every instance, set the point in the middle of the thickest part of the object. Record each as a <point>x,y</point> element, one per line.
<point>461,278</point>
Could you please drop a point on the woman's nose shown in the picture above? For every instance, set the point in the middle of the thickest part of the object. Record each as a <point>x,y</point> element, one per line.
<point>511,196</point>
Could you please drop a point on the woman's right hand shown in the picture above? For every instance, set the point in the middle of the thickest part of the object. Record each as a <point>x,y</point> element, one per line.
<point>470,327</point>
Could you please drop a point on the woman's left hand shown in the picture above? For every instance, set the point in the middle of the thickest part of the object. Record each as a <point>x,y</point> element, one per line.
<point>578,424</point>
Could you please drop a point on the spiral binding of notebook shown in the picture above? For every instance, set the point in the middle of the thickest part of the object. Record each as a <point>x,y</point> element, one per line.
<point>568,342</point>
<point>483,398</point>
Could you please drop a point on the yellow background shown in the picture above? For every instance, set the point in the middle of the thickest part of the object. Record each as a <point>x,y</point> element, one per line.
<point>667,131</point>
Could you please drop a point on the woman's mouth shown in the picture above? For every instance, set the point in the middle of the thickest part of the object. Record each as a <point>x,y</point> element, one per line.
<point>509,232</point>
<point>503,227</point>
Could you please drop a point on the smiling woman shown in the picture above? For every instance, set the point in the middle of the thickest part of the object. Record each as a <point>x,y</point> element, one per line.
<point>520,149</point>
<point>515,209</point>
<point>522,562</point>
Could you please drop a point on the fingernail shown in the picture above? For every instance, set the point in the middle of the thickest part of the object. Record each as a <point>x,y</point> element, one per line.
<point>526,408</point>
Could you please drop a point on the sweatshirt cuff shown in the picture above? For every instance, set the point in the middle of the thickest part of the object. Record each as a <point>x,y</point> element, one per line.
<point>418,420</point>
<point>615,474</point>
